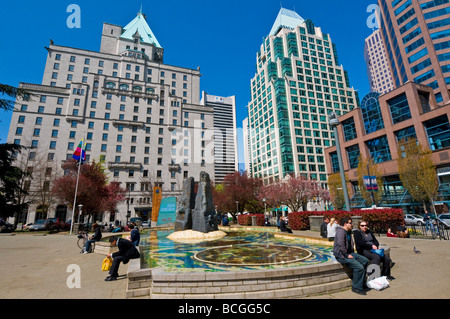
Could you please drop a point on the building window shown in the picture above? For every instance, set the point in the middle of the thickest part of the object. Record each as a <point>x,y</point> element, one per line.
<point>379,149</point>
<point>370,109</point>
<point>438,132</point>
<point>399,108</point>
<point>349,129</point>
<point>353,155</point>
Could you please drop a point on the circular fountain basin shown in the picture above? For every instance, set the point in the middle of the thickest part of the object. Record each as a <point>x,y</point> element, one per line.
<point>242,265</point>
<point>252,255</point>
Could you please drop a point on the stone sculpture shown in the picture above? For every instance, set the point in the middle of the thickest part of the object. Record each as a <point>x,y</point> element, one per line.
<point>185,205</point>
<point>196,211</point>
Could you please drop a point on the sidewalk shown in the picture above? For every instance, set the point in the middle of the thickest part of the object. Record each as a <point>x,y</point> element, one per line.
<point>36,267</point>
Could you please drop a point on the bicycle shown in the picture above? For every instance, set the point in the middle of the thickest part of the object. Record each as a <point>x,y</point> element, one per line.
<point>83,237</point>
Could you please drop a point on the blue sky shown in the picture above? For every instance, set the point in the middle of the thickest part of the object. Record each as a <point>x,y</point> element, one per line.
<point>222,37</point>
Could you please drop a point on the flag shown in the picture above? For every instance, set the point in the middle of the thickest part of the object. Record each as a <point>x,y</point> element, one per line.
<point>80,152</point>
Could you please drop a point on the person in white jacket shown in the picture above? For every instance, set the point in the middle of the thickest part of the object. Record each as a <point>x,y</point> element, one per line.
<point>331,229</point>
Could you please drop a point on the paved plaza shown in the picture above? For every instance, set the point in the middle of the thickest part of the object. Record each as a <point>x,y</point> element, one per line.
<point>36,266</point>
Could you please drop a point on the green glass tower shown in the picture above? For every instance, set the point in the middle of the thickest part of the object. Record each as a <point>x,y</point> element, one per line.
<point>298,82</point>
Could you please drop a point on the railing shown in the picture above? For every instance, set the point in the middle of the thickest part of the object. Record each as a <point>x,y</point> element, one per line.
<point>436,231</point>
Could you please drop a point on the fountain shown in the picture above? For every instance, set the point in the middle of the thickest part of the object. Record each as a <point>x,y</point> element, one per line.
<point>196,259</point>
<point>196,218</point>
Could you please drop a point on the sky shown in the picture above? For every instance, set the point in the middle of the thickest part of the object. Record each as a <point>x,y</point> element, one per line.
<point>221,37</point>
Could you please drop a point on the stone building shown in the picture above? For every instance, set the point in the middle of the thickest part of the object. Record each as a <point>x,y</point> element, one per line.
<point>139,116</point>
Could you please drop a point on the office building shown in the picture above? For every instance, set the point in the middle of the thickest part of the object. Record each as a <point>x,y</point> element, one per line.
<point>416,37</point>
<point>378,71</point>
<point>139,116</point>
<point>374,131</point>
<point>298,82</point>
<point>246,147</point>
<point>225,134</point>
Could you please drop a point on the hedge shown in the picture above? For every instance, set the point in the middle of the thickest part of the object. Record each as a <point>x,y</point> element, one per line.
<point>246,219</point>
<point>379,219</point>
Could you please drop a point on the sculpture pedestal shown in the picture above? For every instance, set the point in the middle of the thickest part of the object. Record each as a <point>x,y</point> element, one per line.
<point>192,236</point>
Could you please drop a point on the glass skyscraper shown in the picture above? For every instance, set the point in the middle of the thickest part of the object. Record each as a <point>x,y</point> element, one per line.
<point>298,82</point>
<point>417,39</point>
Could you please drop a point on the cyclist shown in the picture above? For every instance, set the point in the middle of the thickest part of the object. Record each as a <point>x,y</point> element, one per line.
<point>96,237</point>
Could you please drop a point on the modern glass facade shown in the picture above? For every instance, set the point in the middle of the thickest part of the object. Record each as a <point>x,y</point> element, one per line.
<point>438,132</point>
<point>349,129</point>
<point>298,82</point>
<point>399,109</point>
<point>424,31</point>
<point>371,112</point>
<point>353,154</point>
<point>379,149</point>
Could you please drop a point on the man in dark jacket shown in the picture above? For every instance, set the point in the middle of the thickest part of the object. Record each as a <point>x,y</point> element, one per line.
<point>343,251</point>
<point>283,225</point>
<point>323,227</point>
<point>126,252</point>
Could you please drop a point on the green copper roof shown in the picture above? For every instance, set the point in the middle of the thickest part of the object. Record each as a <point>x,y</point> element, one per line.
<point>286,19</point>
<point>140,27</point>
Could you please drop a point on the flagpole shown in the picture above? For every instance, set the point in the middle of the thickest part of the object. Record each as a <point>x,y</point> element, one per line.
<point>78,178</point>
<point>75,198</point>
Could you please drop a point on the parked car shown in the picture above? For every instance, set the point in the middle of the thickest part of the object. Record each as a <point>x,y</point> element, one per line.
<point>40,224</point>
<point>136,220</point>
<point>26,226</point>
<point>57,223</point>
<point>444,219</point>
<point>6,227</point>
<point>413,219</point>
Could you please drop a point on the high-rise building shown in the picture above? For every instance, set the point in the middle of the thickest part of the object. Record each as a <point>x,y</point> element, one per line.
<point>416,37</point>
<point>378,71</point>
<point>139,116</point>
<point>246,147</point>
<point>225,134</point>
<point>298,82</point>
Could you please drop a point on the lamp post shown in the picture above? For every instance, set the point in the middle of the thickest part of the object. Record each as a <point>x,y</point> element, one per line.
<point>237,207</point>
<point>334,122</point>
<point>265,207</point>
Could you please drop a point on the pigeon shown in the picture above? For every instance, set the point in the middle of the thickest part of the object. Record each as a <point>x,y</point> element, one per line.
<point>416,251</point>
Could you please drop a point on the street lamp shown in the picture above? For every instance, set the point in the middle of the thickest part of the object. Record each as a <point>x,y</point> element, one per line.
<point>265,207</point>
<point>334,122</point>
<point>237,207</point>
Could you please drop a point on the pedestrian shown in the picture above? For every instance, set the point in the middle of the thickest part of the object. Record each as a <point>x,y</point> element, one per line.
<point>135,236</point>
<point>344,254</point>
<point>96,237</point>
<point>366,243</point>
<point>390,233</point>
<point>126,252</point>
<point>331,228</point>
<point>402,231</point>
<point>283,225</point>
<point>323,227</point>
<point>427,220</point>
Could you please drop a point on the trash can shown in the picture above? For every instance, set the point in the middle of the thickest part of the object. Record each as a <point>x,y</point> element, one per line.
<point>254,221</point>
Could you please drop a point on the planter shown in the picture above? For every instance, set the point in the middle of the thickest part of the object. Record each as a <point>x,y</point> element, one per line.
<point>315,222</point>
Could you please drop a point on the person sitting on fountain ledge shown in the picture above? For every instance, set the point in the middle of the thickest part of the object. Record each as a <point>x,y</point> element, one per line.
<point>343,251</point>
<point>127,251</point>
<point>283,225</point>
